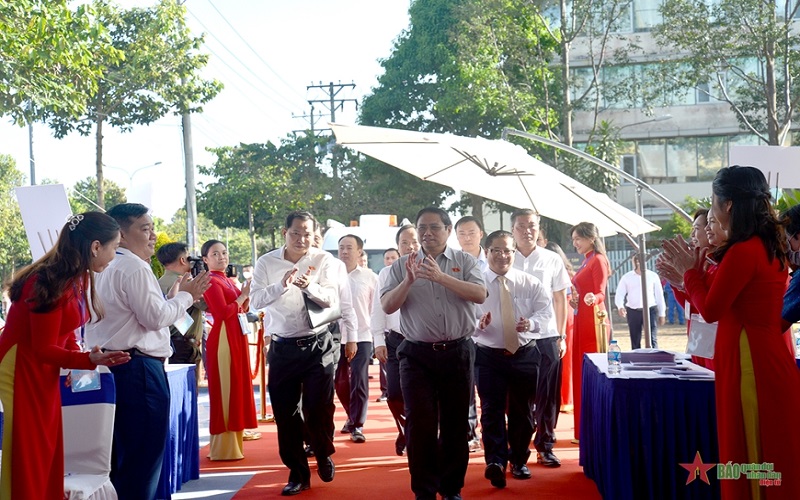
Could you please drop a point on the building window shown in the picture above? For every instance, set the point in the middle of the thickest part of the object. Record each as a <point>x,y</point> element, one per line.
<point>682,159</point>
<point>712,155</point>
<point>628,164</point>
<point>646,14</point>
<point>652,160</point>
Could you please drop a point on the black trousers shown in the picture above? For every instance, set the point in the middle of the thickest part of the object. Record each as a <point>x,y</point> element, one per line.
<point>548,394</point>
<point>306,372</point>
<point>436,387</point>
<point>507,386</point>
<point>636,322</point>
<point>394,393</point>
<point>352,384</point>
<point>141,427</point>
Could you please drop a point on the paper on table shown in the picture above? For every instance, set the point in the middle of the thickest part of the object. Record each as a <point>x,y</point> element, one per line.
<point>648,355</point>
<point>695,375</point>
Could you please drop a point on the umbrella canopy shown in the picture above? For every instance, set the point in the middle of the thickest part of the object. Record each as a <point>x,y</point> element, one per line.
<point>493,169</point>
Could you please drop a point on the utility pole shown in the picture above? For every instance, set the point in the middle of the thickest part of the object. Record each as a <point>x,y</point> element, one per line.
<point>312,122</point>
<point>332,103</point>
<point>30,146</point>
<point>191,194</point>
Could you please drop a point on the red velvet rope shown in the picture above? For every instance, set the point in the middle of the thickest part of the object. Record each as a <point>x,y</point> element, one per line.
<point>259,349</point>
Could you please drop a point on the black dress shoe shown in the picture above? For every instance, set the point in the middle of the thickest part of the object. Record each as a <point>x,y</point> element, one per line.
<point>400,445</point>
<point>548,459</point>
<point>457,496</point>
<point>294,488</point>
<point>326,469</point>
<point>496,474</point>
<point>520,471</point>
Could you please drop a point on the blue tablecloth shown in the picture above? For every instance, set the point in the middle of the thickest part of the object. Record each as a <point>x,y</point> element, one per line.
<point>636,432</point>
<point>182,458</point>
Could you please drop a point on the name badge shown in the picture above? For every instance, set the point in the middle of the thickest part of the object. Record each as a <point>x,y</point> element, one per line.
<point>184,323</point>
<point>244,323</point>
<point>84,380</point>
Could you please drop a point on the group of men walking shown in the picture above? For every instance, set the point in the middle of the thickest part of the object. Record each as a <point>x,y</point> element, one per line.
<point>443,321</point>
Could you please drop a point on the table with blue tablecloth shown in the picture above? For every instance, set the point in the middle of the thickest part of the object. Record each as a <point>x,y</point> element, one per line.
<point>182,457</point>
<point>638,427</point>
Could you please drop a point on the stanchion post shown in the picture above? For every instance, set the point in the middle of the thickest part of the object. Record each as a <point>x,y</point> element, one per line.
<point>603,341</point>
<point>262,365</point>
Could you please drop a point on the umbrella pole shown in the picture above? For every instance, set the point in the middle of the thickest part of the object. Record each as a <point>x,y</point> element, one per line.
<point>643,269</point>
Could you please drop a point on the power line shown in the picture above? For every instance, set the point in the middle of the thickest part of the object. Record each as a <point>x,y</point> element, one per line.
<point>290,87</point>
<point>247,82</point>
<point>247,67</point>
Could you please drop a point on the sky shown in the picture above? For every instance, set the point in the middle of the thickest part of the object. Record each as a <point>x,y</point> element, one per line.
<point>266,53</point>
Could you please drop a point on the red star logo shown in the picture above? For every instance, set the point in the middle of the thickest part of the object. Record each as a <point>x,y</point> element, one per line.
<point>698,468</point>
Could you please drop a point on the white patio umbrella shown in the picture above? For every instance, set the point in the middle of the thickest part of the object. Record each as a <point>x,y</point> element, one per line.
<point>493,169</point>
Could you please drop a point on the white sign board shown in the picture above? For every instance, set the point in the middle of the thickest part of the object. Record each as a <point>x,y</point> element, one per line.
<point>44,212</point>
<point>781,165</point>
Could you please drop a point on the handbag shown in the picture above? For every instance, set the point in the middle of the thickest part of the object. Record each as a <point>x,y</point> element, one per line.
<point>318,315</point>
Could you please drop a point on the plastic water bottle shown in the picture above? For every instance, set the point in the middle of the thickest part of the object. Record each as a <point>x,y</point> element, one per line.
<point>614,358</point>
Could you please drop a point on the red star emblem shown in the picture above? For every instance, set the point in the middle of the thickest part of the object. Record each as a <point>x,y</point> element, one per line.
<point>698,468</point>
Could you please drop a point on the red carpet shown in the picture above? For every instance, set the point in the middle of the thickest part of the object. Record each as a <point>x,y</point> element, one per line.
<point>372,470</point>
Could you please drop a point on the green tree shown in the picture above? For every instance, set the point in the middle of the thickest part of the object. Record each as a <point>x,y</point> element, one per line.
<point>453,71</point>
<point>50,57</point>
<point>14,248</point>
<point>595,25</point>
<point>742,52</point>
<point>83,191</point>
<point>676,224</point>
<point>237,240</point>
<point>159,74</point>
<point>257,184</point>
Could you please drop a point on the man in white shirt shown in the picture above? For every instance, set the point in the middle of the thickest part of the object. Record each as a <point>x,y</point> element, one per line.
<point>387,336</point>
<point>137,319</point>
<point>469,233</point>
<point>352,377</point>
<point>301,358</point>
<point>548,267</point>
<point>506,358</point>
<point>629,289</point>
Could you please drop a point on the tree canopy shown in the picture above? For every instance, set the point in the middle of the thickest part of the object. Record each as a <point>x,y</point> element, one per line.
<point>159,74</point>
<point>260,180</point>
<point>14,248</point>
<point>50,57</point>
<point>113,192</point>
<point>742,52</point>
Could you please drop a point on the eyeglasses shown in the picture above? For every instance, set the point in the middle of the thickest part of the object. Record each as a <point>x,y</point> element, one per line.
<point>434,228</point>
<point>506,252</point>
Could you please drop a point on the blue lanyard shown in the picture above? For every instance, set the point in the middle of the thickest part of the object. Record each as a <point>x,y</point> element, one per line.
<point>585,261</point>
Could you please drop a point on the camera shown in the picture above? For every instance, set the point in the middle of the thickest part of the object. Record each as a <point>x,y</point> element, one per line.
<point>198,266</point>
<point>231,271</point>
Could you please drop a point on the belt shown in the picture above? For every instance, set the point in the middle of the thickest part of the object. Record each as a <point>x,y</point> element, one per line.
<point>299,341</point>
<point>439,346</point>
<point>506,352</point>
<point>137,353</point>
